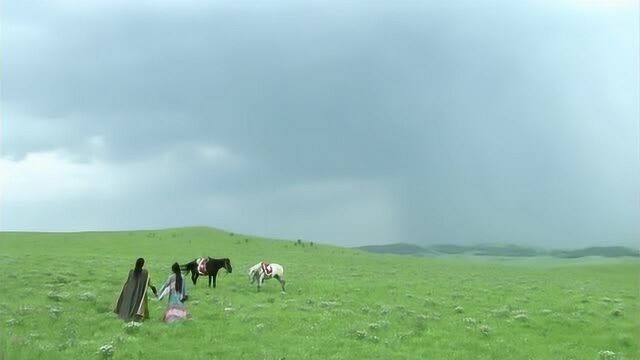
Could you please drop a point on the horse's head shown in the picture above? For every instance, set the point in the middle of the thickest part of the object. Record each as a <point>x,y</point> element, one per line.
<point>227,265</point>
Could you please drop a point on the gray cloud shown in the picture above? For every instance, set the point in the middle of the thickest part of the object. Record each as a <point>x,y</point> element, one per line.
<point>463,123</point>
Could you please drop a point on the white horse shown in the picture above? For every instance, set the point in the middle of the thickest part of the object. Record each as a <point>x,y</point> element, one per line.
<point>263,271</point>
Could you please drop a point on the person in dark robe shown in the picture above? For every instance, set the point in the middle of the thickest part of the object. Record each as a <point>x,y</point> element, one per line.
<point>133,302</point>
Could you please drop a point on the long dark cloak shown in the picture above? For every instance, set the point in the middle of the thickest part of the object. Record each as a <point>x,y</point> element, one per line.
<point>133,296</point>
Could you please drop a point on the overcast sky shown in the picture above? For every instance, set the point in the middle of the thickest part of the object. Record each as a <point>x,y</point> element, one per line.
<point>344,122</point>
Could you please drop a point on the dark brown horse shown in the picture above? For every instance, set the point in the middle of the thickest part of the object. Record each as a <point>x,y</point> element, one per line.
<point>206,266</point>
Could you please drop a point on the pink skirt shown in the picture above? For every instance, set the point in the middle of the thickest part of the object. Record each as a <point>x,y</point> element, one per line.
<point>174,314</point>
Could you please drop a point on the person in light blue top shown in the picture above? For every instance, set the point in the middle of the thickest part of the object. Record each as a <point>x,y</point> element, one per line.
<point>176,289</point>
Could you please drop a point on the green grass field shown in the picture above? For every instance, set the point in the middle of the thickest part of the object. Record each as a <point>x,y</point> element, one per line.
<point>58,292</point>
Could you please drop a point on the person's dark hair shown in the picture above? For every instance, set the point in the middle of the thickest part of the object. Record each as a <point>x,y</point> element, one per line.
<point>176,270</point>
<point>139,263</point>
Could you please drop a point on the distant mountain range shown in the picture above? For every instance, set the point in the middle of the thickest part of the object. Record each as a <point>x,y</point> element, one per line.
<point>498,250</point>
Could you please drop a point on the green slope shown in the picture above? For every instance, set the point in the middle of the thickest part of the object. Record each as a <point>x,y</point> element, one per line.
<point>58,291</point>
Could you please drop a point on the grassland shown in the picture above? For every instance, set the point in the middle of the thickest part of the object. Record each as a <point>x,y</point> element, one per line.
<point>58,290</point>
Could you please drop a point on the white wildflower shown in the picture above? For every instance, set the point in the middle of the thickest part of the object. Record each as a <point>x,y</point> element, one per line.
<point>361,334</point>
<point>607,355</point>
<point>485,329</point>
<point>469,321</point>
<point>106,351</point>
<point>329,303</point>
<point>88,296</point>
<point>132,326</point>
<point>55,312</point>
<point>25,309</point>
<point>521,317</point>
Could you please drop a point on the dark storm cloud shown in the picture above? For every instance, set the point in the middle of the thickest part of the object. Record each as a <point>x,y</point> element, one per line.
<point>469,123</point>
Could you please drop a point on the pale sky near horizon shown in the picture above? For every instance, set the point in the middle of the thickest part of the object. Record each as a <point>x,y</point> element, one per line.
<point>344,122</point>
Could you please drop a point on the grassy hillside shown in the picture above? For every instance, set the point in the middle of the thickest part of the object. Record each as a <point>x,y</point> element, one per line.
<point>59,289</point>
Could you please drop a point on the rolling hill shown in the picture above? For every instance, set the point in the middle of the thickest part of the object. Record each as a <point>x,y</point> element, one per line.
<point>499,250</point>
<point>59,289</point>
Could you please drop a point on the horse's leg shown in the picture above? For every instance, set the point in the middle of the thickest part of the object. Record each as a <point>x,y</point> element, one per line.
<point>194,277</point>
<point>209,280</point>
<point>260,281</point>
<point>280,280</point>
<point>215,275</point>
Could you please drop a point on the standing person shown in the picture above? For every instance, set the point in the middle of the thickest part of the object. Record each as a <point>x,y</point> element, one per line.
<point>175,287</point>
<point>132,303</point>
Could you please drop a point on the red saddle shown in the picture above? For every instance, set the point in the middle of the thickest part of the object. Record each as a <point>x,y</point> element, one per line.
<point>202,265</point>
<point>266,268</point>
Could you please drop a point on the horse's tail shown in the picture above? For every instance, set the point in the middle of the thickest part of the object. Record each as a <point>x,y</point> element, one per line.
<point>187,267</point>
